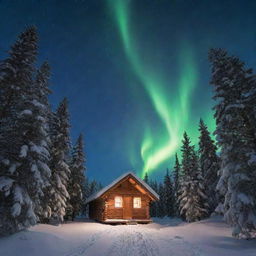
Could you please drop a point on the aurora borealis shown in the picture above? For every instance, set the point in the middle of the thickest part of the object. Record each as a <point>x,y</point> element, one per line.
<point>173,110</point>
<point>135,72</point>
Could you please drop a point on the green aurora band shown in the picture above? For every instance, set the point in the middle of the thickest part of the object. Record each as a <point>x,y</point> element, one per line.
<point>173,110</point>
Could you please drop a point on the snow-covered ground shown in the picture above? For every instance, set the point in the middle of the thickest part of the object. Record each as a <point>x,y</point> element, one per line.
<point>167,237</point>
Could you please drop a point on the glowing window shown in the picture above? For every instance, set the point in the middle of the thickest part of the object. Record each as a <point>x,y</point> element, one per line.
<point>136,202</point>
<point>118,201</point>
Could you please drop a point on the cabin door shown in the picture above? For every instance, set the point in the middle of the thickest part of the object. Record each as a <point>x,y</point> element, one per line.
<point>127,212</point>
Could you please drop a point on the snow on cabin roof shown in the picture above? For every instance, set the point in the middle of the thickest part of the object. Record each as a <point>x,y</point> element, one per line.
<point>105,189</point>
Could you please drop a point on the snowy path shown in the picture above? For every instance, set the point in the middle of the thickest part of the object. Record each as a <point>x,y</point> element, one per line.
<point>133,242</point>
<point>83,248</point>
<point>163,238</point>
<point>121,241</point>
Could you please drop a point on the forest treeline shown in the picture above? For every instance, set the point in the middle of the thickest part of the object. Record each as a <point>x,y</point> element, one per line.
<point>207,182</point>
<point>42,177</point>
<point>188,189</point>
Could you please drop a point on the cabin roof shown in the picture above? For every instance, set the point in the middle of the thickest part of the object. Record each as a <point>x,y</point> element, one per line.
<point>112,184</point>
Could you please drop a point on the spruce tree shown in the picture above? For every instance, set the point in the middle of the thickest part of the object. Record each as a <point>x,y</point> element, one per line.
<point>168,195</point>
<point>89,188</point>
<point>233,84</point>
<point>77,178</point>
<point>95,187</point>
<point>209,164</point>
<point>146,178</point>
<point>193,201</point>
<point>153,204</point>
<point>42,92</point>
<point>176,186</point>
<point>59,161</point>
<point>24,171</point>
<point>183,192</point>
<point>160,204</point>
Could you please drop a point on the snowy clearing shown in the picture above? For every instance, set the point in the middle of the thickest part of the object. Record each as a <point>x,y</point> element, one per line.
<point>211,237</point>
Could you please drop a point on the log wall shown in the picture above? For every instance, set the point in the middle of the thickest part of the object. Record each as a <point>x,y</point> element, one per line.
<point>126,189</point>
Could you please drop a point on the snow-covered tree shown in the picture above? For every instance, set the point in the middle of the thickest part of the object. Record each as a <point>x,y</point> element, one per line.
<point>193,201</point>
<point>160,204</point>
<point>59,161</point>
<point>146,178</point>
<point>40,100</point>
<point>183,180</point>
<point>176,182</point>
<point>209,164</point>
<point>168,195</point>
<point>89,188</point>
<point>154,185</point>
<point>234,85</point>
<point>77,178</point>
<point>153,205</point>
<point>24,150</point>
<point>94,187</point>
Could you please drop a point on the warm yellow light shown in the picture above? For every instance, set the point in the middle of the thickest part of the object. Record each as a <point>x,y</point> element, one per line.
<point>136,202</point>
<point>118,201</point>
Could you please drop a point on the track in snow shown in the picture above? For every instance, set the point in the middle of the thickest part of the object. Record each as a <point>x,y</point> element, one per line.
<point>132,242</point>
<point>91,241</point>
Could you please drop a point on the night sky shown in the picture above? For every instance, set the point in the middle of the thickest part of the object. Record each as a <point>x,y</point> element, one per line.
<point>135,72</point>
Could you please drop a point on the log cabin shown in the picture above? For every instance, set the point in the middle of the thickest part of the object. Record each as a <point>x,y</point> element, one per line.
<point>126,200</point>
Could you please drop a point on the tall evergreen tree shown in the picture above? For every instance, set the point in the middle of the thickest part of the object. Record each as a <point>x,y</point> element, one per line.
<point>233,85</point>
<point>186,150</point>
<point>209,164</point>
<point>24,155</point>
<point>59,161</point>
<point>176,185</point>
<point>89,188</point>
<point>40,100</point>
<point>94,187</point>
<point>146,178</point>
<point>77,178</point>
<point>17,72</point>
<point>193,205</point>
<point>160,204</point>
<point>153,205</point>
<point>168,195</point>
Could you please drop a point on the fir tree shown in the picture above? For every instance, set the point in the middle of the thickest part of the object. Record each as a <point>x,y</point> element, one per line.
<point>94,187</point>
<point>89,188</point>
<point>77,178</point>
<point>42,92</point>
<point>24,150</point>
<point>16,72</point>
<point>168,195</point>
<point>193,205</point>
<point>176,185</point>
<point>209,164</point>
<point>59,162</point>
<point>160,204</point>
<point>153,204</point>
<point>146,178</point>
<point>186,162</point>
<point>186,150</point>
<point>234,85</point>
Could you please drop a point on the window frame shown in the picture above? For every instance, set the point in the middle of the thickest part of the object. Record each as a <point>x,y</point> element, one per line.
<point>121,201</point>
<point>137,206</point>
